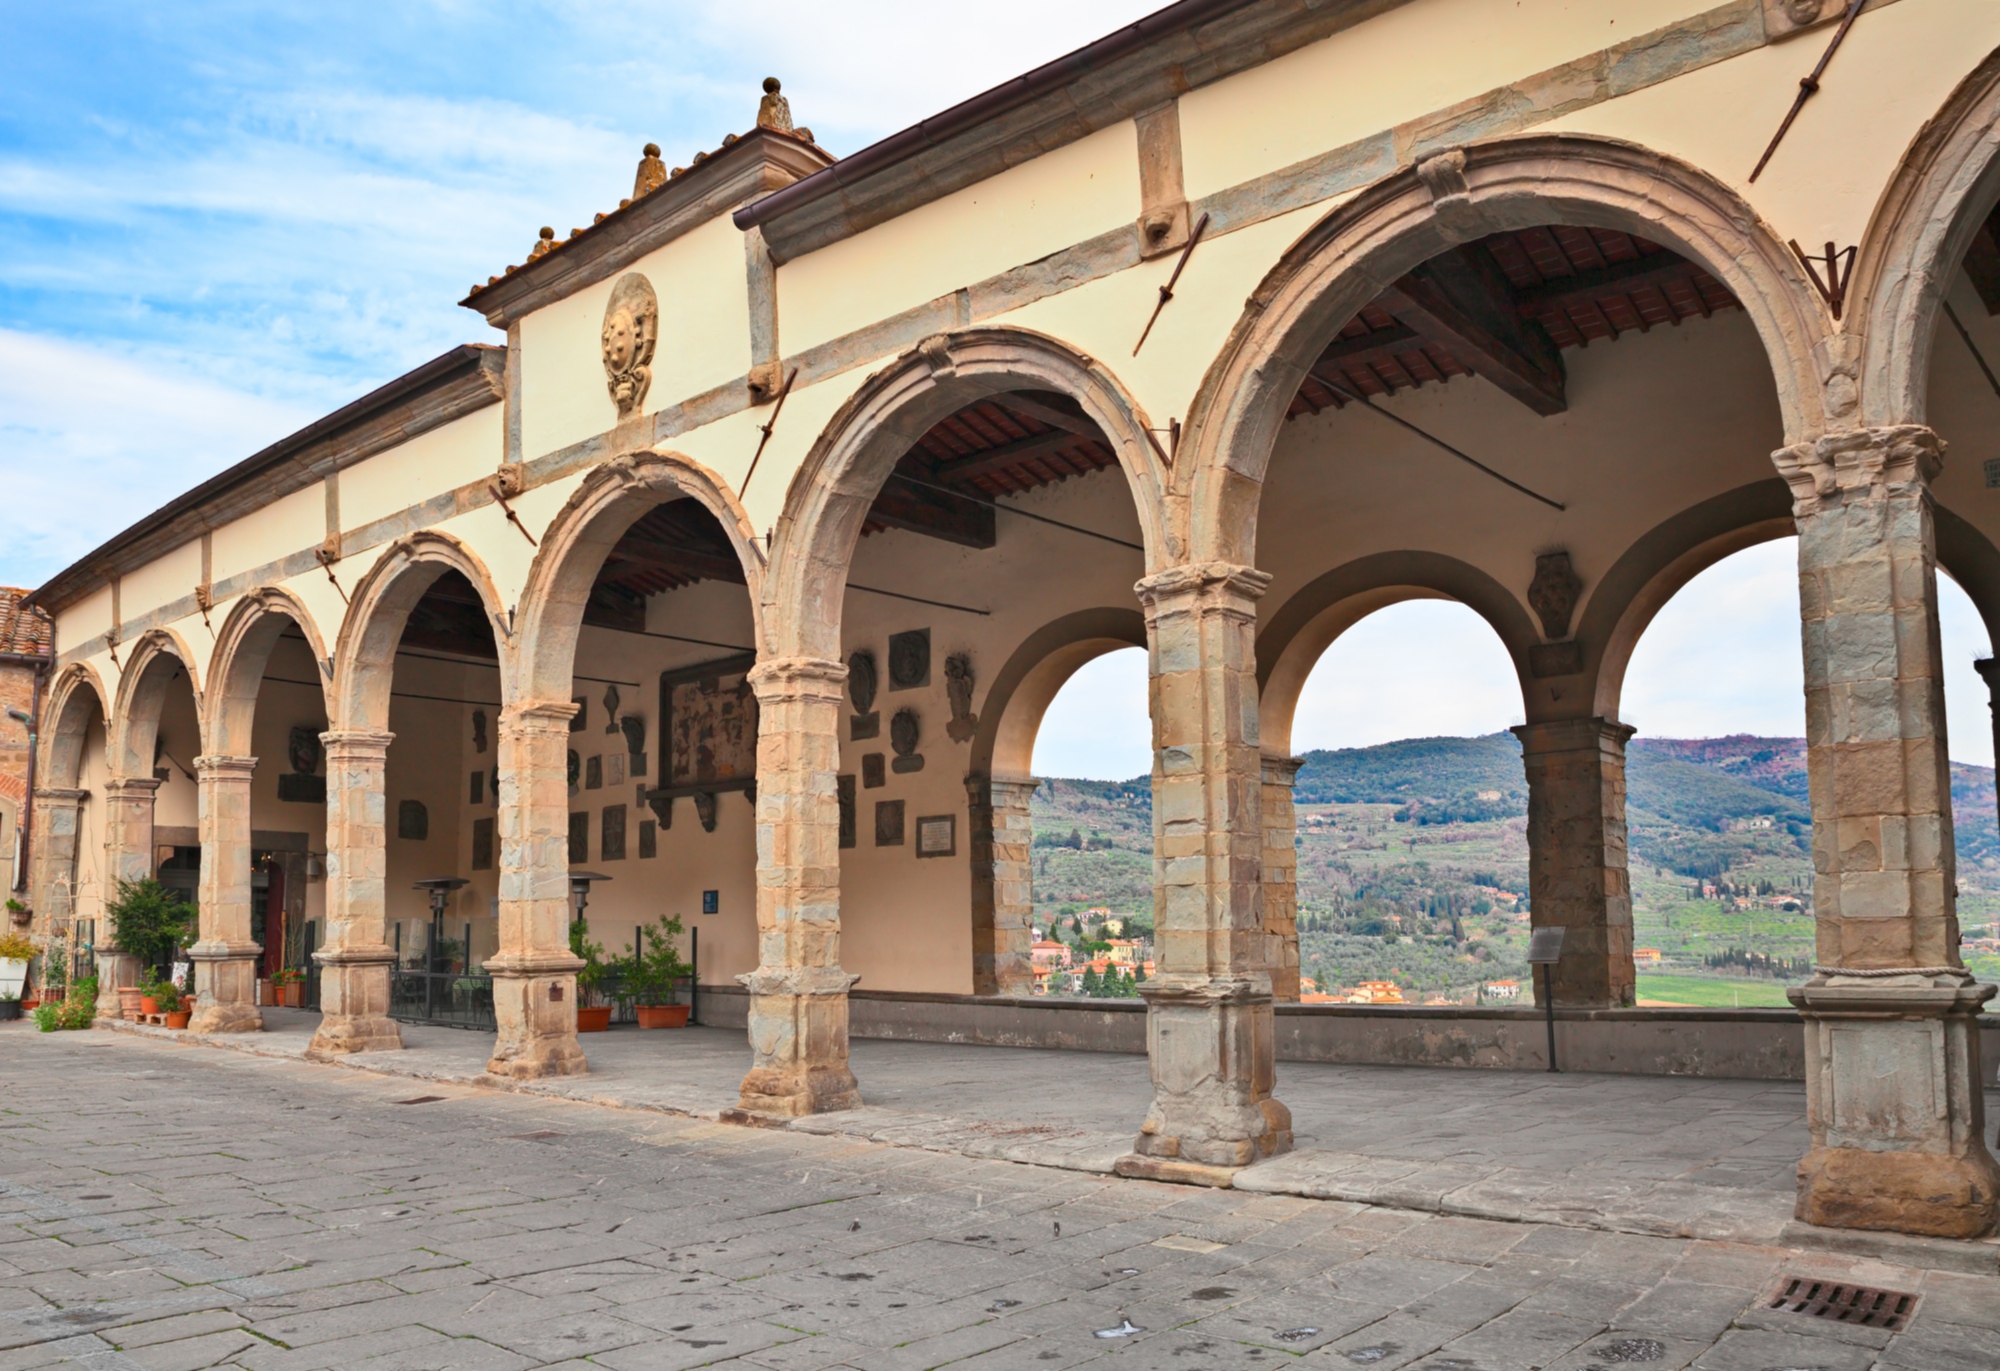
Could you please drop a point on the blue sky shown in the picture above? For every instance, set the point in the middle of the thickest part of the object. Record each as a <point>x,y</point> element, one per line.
<point>223,220</point>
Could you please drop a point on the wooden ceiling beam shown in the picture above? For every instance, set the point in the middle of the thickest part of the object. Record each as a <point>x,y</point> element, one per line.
<point>1366,349</point>
<point>1461,302</point>
<point>914,508</point>
<point>996,458</point>
<point>1029,408</point>
<point>1587,287</point>
<point>702,563</point>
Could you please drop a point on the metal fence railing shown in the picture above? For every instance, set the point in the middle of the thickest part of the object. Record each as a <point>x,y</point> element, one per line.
<point>445,998</point>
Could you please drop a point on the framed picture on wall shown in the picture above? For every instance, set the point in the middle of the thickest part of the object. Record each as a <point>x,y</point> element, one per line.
<point>937,835</point>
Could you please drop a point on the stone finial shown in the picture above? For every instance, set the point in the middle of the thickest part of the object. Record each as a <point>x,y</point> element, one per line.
<point>652,172</point>
<point>774,111</point>
<point>545,245</point>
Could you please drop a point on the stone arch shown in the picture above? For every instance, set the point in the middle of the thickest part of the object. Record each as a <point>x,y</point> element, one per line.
<point>142,695</point>
<point>1023,689</point>
<point>242,651</point>
<point>612,497</point>
<point>1948,181</point>
<point>1345,260</point>
<point>71,698</point>
<point>830,495</point>
<point>364,659</point>
<point>1299,634</point>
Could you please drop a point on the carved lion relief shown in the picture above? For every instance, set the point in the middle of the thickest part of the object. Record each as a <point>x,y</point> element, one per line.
<point>631,331</point>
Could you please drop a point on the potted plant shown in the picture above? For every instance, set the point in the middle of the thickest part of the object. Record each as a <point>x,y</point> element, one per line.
<point>167,996</point>
<point>654,973</point>
<point>289,982</point>
<point>148,921</point>
<point>74,1012</point>
<point>15,954</point>
<point>592,1016</point>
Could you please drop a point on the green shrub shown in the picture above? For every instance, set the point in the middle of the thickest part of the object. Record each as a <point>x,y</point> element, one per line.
<point>150,921</point>
<point>653,974</point>
<point>48,1017</point>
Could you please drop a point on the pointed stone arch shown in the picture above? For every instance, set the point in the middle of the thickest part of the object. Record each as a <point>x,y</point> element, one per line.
<point>830,495</point>
<point>1948,181</point>
<point>611,498</point>
<point>1346,259</point>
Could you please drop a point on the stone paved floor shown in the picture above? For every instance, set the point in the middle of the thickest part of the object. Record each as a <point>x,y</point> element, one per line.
<point>172,1208</point>
<point>1669,1156</point>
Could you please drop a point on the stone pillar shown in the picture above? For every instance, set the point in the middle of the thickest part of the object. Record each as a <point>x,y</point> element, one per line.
<point>1003,885</point>
<point>1209,1031</point>
<point>58,822</point>
<point>1577,874</point>
<point>128,857</point>
<point>534,974</point>
<point>225,958</point>
<point>1281,876</point>
<point>798,993</point>
<point>1892,1047</point>
<point>355,958</point>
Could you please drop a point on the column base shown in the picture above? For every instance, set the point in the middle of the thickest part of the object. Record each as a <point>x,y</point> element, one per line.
<point>1213,1050</point>
<point>354,1003</point>
<point>1899,1192</point>
<point>225,982</point>
<point>114,970</point>
<point>1893,1101</point>
<point>798,1031</point>
<point>536,1014</point>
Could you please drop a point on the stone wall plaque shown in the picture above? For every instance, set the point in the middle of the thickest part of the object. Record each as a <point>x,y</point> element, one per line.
<point>593,773</point>
<point>704,809</point>
<point>478,730</point>
<point>649,839</point>
<point>614,768</point>
<point>581,719</point>
<point>302,750</point>
<point>612,700</point>
<point>476,790</point>
<point>874,771</point>
<point>910,659</point>
<point>575,771</point>
<point>306,790</point>
<point>862,683</point>
<point>611,834</point>
<point>937,835</point>
<point>482,844</point>
<point>579,838</point>
<point>888,823</point>
<point>631,332</point>
<point>905,732</point>
<point>958,683</point>
<point>844,786</point>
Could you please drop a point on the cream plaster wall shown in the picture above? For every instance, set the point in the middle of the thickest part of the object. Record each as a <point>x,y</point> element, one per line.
<point>1021,215</point>
<point>1966,412</point>
<point>1408,62</point>
<point>175,803</point>
<point>87,618</point>
<point>1897,67</point>
<point>429,464</point>
<point>166,578</point>
<point>280,528</point>
<point>703,287</point>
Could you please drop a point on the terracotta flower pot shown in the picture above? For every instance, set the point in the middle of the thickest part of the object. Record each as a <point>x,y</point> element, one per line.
<point>292,996</point>
<point>593,1018</point>
<point>148,1005</point>
<point>130,1001</point>
<point>178,1019</point>
<point>663,1015</point>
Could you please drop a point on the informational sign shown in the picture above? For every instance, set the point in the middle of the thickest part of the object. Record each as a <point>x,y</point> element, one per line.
<point>1545,946</point>
<point>937,835</point>
<point>711,901</point>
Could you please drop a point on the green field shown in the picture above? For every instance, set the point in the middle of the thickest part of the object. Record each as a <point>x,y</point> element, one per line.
<point>1713,993</point>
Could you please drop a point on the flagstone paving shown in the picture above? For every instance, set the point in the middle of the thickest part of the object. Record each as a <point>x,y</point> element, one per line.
<point>170,1208</point>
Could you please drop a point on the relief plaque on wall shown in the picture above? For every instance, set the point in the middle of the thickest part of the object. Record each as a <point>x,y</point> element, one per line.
<point>482,844</point>
<point>888,823</point>
<point>910,659</point>
<point>611,837</point>
<point>579,837</point>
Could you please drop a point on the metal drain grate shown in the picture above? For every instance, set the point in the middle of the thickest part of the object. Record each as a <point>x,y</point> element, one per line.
<point>1862,1305</point>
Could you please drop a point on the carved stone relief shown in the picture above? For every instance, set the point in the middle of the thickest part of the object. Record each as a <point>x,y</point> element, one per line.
<point>631,332</point>
<point>611,703</point>
<point>910,659</point>
<point>958,683</point>
<point>1553,593</point>
<point>704,809</point>
<point>862,683</point>
<point>905,732</point>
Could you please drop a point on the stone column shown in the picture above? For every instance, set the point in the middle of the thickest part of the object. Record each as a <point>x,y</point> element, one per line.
<point>128,856</point>
<point>1209,1032</point>
<point>225,958</point>
<point>534,974</point>
<point>1892,1047</point>
<point>798,993</point>
<point>355,959</point>
<point>58,821</point>
<point>1003,885</point>
<point>1577,874</point>
<point>1281,876</point>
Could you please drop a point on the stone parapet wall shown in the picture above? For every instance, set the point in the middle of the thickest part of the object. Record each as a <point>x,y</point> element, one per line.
<point>1739,1044</point>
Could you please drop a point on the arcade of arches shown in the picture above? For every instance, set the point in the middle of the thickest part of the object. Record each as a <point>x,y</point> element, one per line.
<point>735,586</point>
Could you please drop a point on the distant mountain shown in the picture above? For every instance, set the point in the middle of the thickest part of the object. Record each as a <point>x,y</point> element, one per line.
<point>1415,769</point>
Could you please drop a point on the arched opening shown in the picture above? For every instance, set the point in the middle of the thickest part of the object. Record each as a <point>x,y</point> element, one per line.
<point>1718,809</point>
<point>68,851</point>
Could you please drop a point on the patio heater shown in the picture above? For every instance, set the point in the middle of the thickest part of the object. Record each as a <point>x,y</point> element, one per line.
<point>579,890</point>
<point>440,889</point>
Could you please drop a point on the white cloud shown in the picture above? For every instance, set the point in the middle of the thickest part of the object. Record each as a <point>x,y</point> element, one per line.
<point>1097,727</point>
<point>1424,668</point>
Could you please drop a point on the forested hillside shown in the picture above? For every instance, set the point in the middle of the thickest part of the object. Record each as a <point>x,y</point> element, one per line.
<point>1413,859</point>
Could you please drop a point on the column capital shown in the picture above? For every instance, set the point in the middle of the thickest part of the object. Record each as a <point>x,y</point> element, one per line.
<point>356,744</point>
<point>135,787</point>
<point>1571,735</point>
<point>61,796</point>
<point>538,716</point>
<point>1224,585</point>
<point>1280,769</point>
<point>219,767</point>
<point>1859,464</point>
<point>795,678</point>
